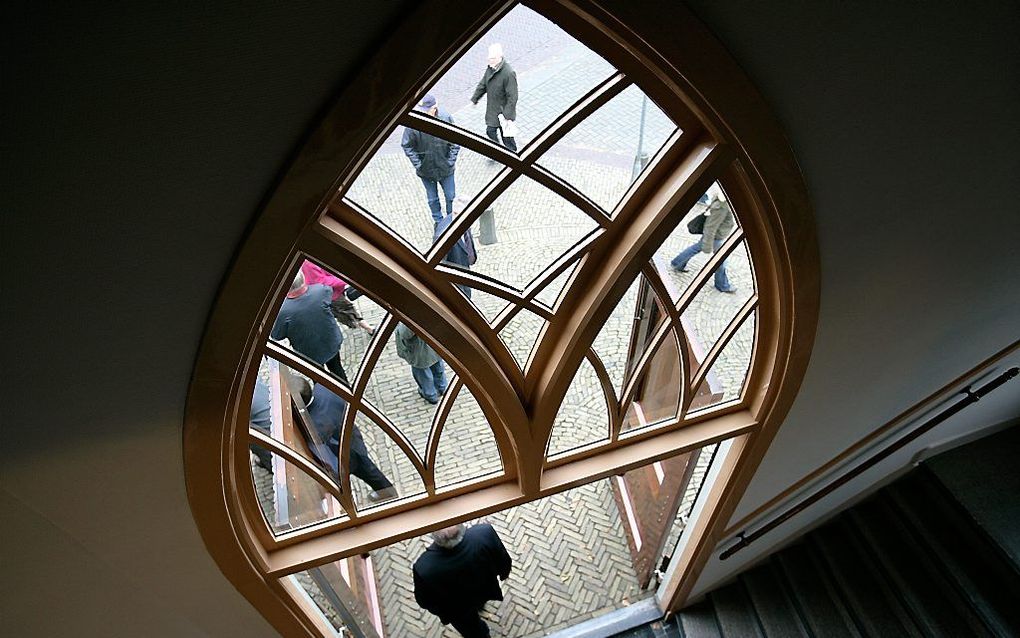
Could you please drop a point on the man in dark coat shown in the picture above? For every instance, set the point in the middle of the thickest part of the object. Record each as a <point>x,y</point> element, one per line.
<point>457,574</point>
<point>305,318</point>
<point>433,158</point>
<point>326,412</point>
<point>499,85</point>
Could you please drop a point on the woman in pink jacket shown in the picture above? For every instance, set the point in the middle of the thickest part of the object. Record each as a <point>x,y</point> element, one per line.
<point>342,308</point>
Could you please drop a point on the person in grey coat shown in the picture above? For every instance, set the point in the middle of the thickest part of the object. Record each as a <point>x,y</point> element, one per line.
<point>434,159</point>
<point>718,225</point>
<point>499,85</point>
<point>426,366</point>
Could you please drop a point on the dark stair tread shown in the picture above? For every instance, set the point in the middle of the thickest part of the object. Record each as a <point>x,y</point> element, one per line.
<point>931,599</point>
<point>772,604</point>
<point>872,603</point>
<point>698,621</point>
<point>734,612</point>
<point>971,560</point>
<point>815,594</point>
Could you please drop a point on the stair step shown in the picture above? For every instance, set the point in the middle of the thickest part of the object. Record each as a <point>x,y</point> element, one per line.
<point>931,599</point>
<point>698,621</point>
<point>815,594</point>
<point>874,606</point>
<point>735,613</point>
<point>972,561</point>
<point>771,600</point>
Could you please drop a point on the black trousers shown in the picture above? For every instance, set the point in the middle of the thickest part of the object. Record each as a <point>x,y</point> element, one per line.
<point>334,366</point>
<point>507,142</point>
<point>365,469</point>
<point>470,625</point>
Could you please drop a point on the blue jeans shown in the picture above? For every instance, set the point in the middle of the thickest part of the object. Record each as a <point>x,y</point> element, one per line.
<point>432,192</point>
<point>680,262</point>
<point>431,380</point>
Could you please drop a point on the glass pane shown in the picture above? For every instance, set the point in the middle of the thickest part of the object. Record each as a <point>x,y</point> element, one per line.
<point>408,380</point>
<point>467,449</point>
<point>550,294</point>
<point>521,333</point>
<point>391,189</point>
<point>380,471</point>
<point>604,154</point>
<point>612,343</point>
<point>683,248</point>
<point>487,305</point>
<point>711,310</point>
<point>657,393</point>
<point>725,380</point>
<point>535,227</point>
<point>552,72</point>
<point>583,416</point>
<point>289,498</point>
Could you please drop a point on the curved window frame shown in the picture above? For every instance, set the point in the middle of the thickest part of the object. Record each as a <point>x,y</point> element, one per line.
<point>727,135</point>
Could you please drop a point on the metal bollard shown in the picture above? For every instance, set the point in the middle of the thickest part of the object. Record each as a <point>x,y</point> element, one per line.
<point>487,228</point>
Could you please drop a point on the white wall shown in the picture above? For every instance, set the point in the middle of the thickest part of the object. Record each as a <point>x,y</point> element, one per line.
<point>904,119</point>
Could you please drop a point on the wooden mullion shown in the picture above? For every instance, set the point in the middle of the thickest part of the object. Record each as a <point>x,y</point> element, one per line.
<point>297,460</point>
<point>648,216</point>
<point>567,191</point>
<point>372,534</point>
<point>608,391</point>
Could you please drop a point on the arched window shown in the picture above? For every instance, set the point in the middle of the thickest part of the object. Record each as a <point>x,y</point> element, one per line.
<point>584,325</point>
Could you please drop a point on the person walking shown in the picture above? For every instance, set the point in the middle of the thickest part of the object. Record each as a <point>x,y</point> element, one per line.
<point>305,318</point>
<point>426,367</point>
<point>457,575</point>
<point>463,252</point>
<point>326,411</point>
<point>434,159</point>
<point>718,225</point>
<point>499,86</point>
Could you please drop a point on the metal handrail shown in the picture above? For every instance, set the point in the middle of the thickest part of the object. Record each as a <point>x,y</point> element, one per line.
<point>971,397</point>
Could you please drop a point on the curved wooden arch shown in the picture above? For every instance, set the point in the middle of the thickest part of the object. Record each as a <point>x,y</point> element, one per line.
<point>726,131</point>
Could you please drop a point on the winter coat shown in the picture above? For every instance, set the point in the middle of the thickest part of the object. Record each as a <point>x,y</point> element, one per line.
<point>718,224</point>
<point>413,349</point>
<point>433,158</point>
<point>456,581</point>
<point>500,85</point>
<point>308,322</point>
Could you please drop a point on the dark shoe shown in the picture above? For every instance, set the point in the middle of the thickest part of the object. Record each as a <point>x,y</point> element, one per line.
<point>679,268</point>
<point>728,291</point>
<point>385,494</point>
<point>432,400</point>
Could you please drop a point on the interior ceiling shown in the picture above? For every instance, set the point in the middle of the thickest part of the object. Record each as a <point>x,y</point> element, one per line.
<point>140,140</point>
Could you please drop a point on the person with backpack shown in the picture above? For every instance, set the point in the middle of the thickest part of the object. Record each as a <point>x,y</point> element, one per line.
<point>463,252</point>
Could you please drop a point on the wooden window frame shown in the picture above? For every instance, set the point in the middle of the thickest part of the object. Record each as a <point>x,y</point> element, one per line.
<point>727,134</point>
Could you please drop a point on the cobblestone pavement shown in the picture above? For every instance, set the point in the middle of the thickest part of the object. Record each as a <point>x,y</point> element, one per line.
<point>570,551</point>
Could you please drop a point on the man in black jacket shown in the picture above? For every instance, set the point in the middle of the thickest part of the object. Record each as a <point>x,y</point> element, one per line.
<point>457,574</point>
<point>499,85</point>
<point>326,412</point>
<point>433,158</point>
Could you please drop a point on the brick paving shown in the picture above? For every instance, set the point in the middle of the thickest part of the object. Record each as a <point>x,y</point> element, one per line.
<point>570,551</point>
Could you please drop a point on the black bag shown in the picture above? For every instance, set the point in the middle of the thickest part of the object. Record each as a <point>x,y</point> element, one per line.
<point>697,225</point>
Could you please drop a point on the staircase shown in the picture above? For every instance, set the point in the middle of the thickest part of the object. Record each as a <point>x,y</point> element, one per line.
<point>908,561</point>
